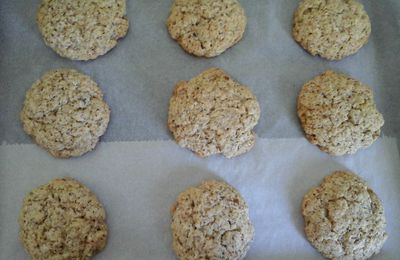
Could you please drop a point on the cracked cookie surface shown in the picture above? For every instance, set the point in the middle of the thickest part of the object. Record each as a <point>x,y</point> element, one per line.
<point>206,27</point>
<point>213,114</point>
<point>82,29</point>
<point>344,218</point>
<point>65,113</point>
<point>62,220</point>
<point>331,29</point>
<point>338,113</point>
<point>211,221</point>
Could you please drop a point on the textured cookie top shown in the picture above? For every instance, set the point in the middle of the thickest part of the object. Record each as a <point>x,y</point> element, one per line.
<point>331,29</point>
<point>206,27</point>
<point>338,113</point>
<point>62,220</point>
<point>344,219</point>
<point>213,114</point>
<point>211,221</point>
<point>82,29</point>
<point>65,113</point>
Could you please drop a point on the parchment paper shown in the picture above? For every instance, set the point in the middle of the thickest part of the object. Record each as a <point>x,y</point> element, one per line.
<point>138,76</point>
<point>137,182</point>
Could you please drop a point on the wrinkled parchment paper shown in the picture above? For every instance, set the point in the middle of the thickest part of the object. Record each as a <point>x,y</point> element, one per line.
<point>138,182</point>
<point>139,74</point>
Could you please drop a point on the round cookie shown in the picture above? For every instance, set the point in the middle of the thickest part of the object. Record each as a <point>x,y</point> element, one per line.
<point>212,114</point>
<point>338,113</point>
<point>62,220</point>
<point>331,29</point>
<point>65,113</point>
<point>206,27</point>
<point>344,219</point>
<point>82,29</point>
<point>211,221</point>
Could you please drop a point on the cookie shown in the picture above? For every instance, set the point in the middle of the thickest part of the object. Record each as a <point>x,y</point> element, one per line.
<point>213,114</point>
<point>82,29</point>
<point>206,27</point>
<point>62,220</point>
<point>331,29</point>
<point>338,113</point>
<point>211,221</point>
<point>65,113</point>
<point>344,218</point>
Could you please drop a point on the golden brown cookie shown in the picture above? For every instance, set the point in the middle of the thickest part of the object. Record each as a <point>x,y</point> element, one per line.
<point>206,27</point>
<point>62,220</point>
<point>338,113</point>
<point>331,29</point>
<point>344,219</point>
<point>211,221</point>
<point>212,114</point>
<point>65,113</point>
<point>82,29</point>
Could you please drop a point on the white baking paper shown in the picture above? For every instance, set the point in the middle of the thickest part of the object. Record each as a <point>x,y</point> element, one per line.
<point>138,76</point>
<point>137,182</point>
